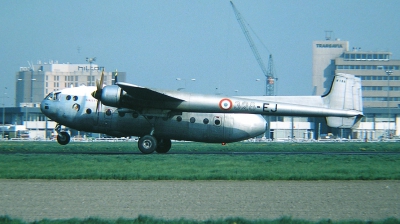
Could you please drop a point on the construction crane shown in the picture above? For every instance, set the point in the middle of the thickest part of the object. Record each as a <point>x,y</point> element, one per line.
<point>269,74</point>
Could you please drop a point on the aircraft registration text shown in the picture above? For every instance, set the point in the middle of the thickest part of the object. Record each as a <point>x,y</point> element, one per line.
<point>270,108</point>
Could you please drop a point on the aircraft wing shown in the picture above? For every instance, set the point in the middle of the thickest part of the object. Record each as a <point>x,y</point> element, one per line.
<point>142,93</point>
<point>343,101</point>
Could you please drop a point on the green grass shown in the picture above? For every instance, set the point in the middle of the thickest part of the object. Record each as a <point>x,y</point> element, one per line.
<point>200,167</point>
<point>149,220</point>
<point>22,160</point>
<point>54,147</point>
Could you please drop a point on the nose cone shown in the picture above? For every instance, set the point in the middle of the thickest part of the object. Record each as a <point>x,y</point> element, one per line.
<point>46,109</point>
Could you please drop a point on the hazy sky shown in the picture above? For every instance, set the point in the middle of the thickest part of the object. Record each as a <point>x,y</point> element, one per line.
<point>157,41</point>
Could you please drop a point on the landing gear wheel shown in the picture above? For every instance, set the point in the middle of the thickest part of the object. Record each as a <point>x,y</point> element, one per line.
<point>147,144</point>
<point>63,138</point>
<point>163,145</point>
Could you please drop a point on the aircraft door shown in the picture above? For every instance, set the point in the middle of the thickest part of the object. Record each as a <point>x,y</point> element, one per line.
<point>228,126</point>
<point>107,119</point>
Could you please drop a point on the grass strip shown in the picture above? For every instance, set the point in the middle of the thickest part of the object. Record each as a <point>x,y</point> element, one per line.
<point>121,147</point>
<point>150,220</point>
<point>200,167</point>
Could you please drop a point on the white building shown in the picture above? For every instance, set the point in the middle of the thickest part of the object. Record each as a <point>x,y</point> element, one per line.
<point>35,82</point>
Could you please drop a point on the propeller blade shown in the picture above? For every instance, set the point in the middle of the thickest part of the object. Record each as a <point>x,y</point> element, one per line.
<point>116,76</point>
<point>98,84</point>
<point>101,80</point>
<point>97,93</point>
<point>98,107</point>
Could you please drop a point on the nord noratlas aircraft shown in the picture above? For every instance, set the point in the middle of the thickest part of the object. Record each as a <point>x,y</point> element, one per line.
<point>157,116</point>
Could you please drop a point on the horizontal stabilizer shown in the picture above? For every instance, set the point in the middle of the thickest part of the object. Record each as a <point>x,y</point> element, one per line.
<point>343,122</point>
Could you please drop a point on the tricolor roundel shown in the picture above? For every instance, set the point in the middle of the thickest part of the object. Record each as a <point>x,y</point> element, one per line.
<point>225,104</point>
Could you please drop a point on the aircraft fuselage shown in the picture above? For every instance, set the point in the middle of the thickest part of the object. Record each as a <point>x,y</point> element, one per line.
<point>76,109</point>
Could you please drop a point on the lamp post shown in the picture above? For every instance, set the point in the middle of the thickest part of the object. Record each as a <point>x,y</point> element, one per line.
<point>32,79</point>
<point>388,73</point>
<point>4,112</point>
<point>90,60</point>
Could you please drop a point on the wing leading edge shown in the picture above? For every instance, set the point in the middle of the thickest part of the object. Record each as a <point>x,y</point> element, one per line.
<point>142,93</point>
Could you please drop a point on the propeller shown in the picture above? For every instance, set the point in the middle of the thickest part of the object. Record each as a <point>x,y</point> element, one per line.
<point>116,77</point>
<point>99,89</point>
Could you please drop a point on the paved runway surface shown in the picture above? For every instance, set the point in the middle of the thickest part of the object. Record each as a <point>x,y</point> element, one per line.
<point>200,200</point>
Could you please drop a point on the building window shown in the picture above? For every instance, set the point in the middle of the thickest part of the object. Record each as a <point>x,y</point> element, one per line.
<point>368,67</point>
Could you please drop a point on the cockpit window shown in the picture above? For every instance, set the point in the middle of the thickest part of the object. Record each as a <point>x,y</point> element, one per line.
<point>53,96</point>
<point>57,96</point>
<point>49,96</point>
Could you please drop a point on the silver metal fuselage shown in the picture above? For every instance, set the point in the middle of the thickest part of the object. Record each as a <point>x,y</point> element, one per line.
<point>76,108</point>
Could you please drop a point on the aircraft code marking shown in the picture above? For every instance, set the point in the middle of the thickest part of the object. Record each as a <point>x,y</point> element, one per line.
<point>225,104</point>
<point>244,105</point>
<point>266,108</point>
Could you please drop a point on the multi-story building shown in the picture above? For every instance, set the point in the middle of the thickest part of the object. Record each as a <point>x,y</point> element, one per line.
<point>35,82</point>
<point>324,54</point>
<point>380,77</point>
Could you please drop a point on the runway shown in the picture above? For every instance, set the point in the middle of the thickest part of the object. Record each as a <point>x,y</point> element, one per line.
<point>32,200</point>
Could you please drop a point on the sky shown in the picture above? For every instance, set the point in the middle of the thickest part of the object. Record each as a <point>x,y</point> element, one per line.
<point>157,41</point>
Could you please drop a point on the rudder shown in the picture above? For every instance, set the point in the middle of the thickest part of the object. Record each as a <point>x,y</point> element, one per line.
<point>345,94</point>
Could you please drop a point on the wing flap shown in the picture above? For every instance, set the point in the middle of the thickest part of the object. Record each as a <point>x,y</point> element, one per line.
<point>142,93</point>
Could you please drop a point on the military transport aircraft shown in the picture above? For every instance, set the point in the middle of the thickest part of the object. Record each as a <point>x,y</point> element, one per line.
<point>157,116</point>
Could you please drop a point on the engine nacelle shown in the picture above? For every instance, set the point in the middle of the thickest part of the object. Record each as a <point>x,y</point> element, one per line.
<point>111,96</point>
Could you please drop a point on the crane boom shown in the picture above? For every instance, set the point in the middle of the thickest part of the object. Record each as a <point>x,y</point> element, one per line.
<point>268,74</point>
<point>249,39</point>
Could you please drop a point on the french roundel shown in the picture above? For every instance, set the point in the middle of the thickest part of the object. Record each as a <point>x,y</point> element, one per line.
<point>225,104</point>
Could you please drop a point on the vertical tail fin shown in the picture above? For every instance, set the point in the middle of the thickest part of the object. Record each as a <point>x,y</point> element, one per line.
<point>345,94</point>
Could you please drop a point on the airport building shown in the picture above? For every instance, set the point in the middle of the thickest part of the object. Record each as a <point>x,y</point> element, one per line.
<point>33,83</point>
<point>380,78</point>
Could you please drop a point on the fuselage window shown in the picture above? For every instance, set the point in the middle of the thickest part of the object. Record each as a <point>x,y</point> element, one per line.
<point>88,111</point>
<point>135,115</point>
<point>108,112</point>
<point>192,120</point>
<point>68,97</point>
<point>217,122</point>
<point>75,98</point>
<point>179,118</point>
<point>205,121</point>
<point>76,107</point>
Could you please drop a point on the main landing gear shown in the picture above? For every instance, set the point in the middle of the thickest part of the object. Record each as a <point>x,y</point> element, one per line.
<point>148,144</point>
<point>63,137</point>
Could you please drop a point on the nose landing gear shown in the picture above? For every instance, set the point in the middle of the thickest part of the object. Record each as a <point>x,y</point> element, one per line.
<point>63,137</point>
